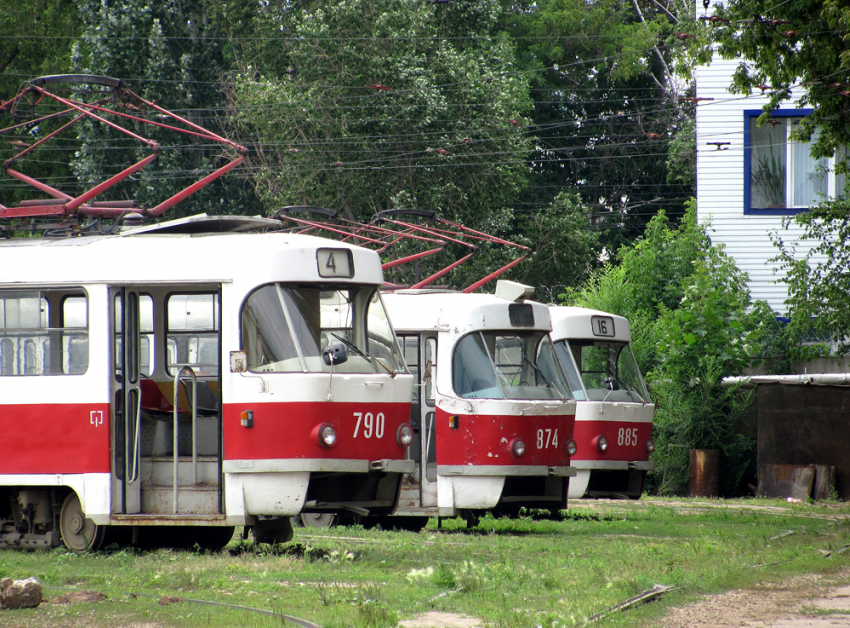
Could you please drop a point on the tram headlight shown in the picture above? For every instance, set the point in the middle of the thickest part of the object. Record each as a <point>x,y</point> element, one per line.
<point>572,448</point>
<point>326,435</point>
<point>518,448</point>
<point>650,445</point>
<point>404,435</point>
<point>601,443</point>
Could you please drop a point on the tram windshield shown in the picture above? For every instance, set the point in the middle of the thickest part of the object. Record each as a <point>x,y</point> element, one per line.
<point>608,370</point>
<point>507,365</point>
<point>286,327</point>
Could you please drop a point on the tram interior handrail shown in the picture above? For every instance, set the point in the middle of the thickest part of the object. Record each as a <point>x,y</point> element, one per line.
<point>183,374</point>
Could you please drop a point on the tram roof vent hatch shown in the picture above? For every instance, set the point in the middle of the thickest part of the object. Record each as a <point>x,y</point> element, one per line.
<point>513,291</point>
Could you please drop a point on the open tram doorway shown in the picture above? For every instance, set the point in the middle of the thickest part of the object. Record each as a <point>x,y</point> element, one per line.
<point>166,401</point>
<point>419,490</point>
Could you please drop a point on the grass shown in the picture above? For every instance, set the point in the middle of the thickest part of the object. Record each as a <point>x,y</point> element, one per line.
<point>517,573</point>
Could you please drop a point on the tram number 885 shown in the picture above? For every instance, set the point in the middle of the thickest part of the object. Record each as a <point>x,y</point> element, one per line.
<point>373,424</point>
<point>627,437</point>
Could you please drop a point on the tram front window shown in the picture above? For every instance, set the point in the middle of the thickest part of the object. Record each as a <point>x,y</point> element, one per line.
<point>609,371</point>
<point>286,327</point>
<point>499,365</point>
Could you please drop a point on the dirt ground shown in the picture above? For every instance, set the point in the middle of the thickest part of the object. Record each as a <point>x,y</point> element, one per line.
<point>809,601</point>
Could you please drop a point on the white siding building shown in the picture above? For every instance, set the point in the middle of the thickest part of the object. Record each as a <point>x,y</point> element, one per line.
<point>749,178</point>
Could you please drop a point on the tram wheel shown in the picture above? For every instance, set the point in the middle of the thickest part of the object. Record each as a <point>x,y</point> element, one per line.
<point>272,531</point>
<point>319,519</point>
<point>79,534</point>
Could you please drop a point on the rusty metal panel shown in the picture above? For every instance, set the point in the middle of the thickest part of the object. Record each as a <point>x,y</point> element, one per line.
<point>825,477</point>
<point>786,480</point>
<point>704,478</point>
<point>805,425</point>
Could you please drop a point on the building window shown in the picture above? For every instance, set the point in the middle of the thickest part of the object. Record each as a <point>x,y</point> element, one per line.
<point>780,175</point>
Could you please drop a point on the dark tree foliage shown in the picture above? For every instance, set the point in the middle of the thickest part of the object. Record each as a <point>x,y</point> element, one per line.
<point>35,40</point>
<point>606,108</point>
<point>798,49</point>
<point>175,54</point>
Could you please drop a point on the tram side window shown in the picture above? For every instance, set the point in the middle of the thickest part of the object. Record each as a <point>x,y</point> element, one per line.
<point>430,376</point>
<point>43,333</point>
<point>75,341</point>
<point>410,349</point>
<point>192,336</point>
<point>146,337</point>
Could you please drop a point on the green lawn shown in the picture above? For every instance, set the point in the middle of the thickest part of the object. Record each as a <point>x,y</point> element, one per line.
<point>509,573</point>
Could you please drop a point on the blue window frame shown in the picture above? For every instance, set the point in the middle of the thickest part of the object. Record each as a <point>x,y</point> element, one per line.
<point>780,175</point>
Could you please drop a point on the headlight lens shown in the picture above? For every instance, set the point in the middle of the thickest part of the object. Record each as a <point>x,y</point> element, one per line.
<point>650,445</point>
<point>327,435</point>
<point>404,436</point>
<point>572,448</point>
<point>601,443</point>
<point>518,448</point>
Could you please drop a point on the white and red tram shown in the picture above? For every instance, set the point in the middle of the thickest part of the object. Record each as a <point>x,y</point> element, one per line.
<point>614,414</point>
<point>492,411</point>
<point>171,380</point>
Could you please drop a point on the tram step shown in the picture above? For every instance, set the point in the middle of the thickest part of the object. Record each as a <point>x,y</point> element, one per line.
<point>197,500</point>
<point>160,472</point>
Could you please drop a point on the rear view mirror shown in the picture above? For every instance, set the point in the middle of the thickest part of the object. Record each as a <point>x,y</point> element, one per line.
<point>335,354</point>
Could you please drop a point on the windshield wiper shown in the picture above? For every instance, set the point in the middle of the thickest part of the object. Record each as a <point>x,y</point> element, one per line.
<point>545,379</point>
<point>363,355</point>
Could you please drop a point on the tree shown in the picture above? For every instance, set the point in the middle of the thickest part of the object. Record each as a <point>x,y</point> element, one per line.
<point>607,77</point>
<point>709,336</point>
<point>364,106</point>
<point>564,246</point>
<point>35,40</point>
<point>647,278</point>
<point>174,54</point>
<point>818,282</point>
<point>689,309</point>
<point>796,49</point>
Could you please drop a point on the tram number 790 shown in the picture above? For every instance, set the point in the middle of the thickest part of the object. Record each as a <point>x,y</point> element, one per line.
<point>373,424</point>
<point>547,438</point>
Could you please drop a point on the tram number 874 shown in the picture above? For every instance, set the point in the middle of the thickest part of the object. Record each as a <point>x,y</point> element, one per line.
<point>373,424</point>
<point>547,438</point>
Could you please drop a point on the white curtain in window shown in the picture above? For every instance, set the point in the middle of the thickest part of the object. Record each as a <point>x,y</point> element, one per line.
<point>808,178</point>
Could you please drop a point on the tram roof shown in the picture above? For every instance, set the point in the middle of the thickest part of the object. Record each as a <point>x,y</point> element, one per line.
<point>454,311</point>
<point>575,323</point>
<point>173,255</point>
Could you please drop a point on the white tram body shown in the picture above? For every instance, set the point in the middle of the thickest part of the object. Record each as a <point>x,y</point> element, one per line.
<point>614,414</point>
<point>98,332</point>
<point>491,409</point>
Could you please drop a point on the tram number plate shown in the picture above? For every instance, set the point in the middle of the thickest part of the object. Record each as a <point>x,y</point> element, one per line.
<point>627,437</point>
<point>372,424</point>
<point>602,326</point>
<point>547,438</point>
<point>335,263</point>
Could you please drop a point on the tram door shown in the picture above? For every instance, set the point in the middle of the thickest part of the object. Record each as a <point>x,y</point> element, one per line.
<point>420,353</point>
<point>166,400</point>
<point>126,399</point>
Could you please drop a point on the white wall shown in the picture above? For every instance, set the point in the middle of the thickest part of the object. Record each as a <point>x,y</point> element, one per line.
<point>720,181</point>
